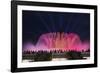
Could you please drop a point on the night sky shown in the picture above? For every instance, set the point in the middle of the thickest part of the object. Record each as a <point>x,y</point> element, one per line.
<point>36,23</point>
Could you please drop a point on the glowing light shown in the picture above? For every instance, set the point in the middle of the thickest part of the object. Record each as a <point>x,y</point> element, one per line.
<point>58,41</point>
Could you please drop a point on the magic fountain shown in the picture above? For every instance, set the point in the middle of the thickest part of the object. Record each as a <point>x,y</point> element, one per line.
<point>58,41</point>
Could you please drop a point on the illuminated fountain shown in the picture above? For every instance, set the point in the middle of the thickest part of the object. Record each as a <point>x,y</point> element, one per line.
<point>49,42</point>
<point>58,41</point>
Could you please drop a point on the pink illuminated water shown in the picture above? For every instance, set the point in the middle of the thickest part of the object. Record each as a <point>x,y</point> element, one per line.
<point>58,41</point>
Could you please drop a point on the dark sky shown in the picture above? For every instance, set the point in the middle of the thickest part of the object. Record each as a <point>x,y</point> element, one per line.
<point>36,23</point>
